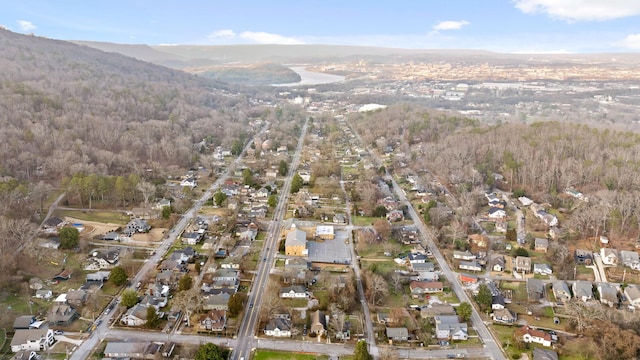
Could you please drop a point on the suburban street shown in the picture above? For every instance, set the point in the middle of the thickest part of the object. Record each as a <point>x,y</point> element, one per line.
<point>251,316</point>
<point>103,322</point>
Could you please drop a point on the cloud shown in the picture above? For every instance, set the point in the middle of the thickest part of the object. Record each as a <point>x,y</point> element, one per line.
<point>26,25</point>
<point>577,10</point>
<point>632,41</point>
<point>268,38</point>
<point>450,25</point>
<point>222,34</point>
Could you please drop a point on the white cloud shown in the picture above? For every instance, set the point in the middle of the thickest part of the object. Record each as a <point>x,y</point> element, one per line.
<point>268,38</point>
<point>632,41</point>
<point>576,10</point>
<point>450,25</point>
<point>26,25</point>
<point>222,34</point>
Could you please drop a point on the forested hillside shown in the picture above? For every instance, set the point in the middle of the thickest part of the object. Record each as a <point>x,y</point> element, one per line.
<point>542,160</point>
<point>66,109</point>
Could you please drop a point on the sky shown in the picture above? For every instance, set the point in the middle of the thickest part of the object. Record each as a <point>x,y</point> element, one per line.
<point>516,26</point>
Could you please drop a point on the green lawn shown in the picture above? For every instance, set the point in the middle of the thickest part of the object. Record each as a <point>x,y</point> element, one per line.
<point>283,355</point>
<point>96,216</point>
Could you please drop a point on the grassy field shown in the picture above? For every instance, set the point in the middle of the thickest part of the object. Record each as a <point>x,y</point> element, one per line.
<point>282,355</point>
<point>96,216</point>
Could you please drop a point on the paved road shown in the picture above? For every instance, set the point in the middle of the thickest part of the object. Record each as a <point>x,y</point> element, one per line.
<point>267,257</point>
<point>491,346</point>
<point>494,349</point>
<point>103,321</point>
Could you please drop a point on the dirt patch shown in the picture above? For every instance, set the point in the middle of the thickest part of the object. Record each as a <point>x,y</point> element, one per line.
<point>92,228</point>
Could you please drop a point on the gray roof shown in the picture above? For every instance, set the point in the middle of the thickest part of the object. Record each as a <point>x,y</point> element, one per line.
<point>397,332</point>
<point>278,323</point>
<point>544,354</point>
<point>296,238</point>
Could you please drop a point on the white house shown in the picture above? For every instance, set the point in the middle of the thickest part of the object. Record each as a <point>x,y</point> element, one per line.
<point>44,294</point>
<point>449,327</point>
<point>609,256</point>
<point>294,292</point>
<point>582,290</point>
<point>32,340</point>
<point>136,316</point>
<point>630,259</point>
<point>497,213</point>
<point>278,327</point>
<point>632,292</point>
<point>530,335</point>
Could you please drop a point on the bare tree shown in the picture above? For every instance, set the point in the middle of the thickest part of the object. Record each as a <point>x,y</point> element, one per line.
<point>147,189</point>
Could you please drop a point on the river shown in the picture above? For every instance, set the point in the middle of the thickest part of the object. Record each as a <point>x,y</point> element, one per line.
<point>312,77</point>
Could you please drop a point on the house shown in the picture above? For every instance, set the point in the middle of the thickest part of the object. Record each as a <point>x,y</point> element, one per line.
<point>395,215</point>
<point>632,292</point>
<point>98,276</point>
<point>423,287</point>
<point>382,317</point>
<point>136,226</point>
<point>345,332</point>
<point>135,316</point>
<point>504,316</point>
<point>497,263</point>
<point>424,266</point>
<point>339,218</point>
<point>463,255</point>
<point>65,274</point>
<point>470,265</point>
<point>542,269</point>
<point>541,244</point>
<point>111,236</point>
<point>61,315</point>
<point>325,232</point>
<point>530,335</point>
<point>583,257</point>
<point>535,289</point>
<point>525,201</point>
<point>468,278</point>
<point>608,293</point>
<point>278,327</point>
<point>523,264</point>
<point>24,322</point>
<point>133,350</point>
<point>162,203</point>
<point>498,302</point>
<point>77,297</point>
<point>32,340</point>
<point>214,320</point>
<point>544,354</point>
<point>189,181</point>
<point>43,294</point>
<point>294,292</point>
<point>630,259</point>
<point>497,213</point>
<point>561,291</point>
<point>296,243</point>
<point>262,193</point>
<point>548,219</point>
<point>417,258</point>
<point>436,309</point>
<point>409,235</point>
<point>449,327</point>
<point>53,223</point>
<point>609,256</point>
<point>397,334</point>
<point>318,323</point>
<point>582,290</point>
<point>296,264</point>
<point>157,302</point>
<point>219,301</point>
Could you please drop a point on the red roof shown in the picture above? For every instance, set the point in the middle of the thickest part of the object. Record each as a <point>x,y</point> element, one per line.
<point>468,278</point>
<point>534,333</point>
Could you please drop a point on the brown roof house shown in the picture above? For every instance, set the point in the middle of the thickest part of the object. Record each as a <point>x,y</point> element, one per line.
<point>318,323</point>
<point>61,315</point>
<point>214,320</point>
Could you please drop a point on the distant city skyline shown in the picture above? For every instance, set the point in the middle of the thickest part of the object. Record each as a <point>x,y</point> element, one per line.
<point>516,26</point>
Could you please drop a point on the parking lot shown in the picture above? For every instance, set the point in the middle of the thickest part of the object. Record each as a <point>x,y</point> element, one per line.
<point>331,251</point>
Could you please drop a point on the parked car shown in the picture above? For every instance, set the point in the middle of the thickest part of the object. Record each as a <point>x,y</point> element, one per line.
<point>58,332</point>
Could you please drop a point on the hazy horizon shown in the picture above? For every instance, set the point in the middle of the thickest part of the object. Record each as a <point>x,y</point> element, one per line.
<point>504,26</point>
